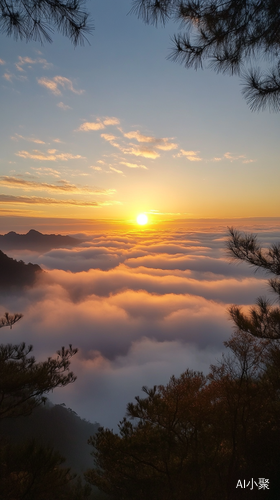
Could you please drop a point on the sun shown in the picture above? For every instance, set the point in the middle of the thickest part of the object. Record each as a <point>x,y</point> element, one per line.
<point>142,219</point>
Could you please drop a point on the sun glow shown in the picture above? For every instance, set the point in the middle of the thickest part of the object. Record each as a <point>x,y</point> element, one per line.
<point>142,219</point>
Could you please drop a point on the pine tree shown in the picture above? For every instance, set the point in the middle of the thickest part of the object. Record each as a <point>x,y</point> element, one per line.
<point>36,19</point>
<point>230,35</point>
<point>24,382</point>
<point>263,319</point>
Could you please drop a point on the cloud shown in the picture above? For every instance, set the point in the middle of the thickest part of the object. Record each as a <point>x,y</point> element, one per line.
<point>145,152</point>
<point>29,139</point>
<point>139,137</point>
<point>62,186</point>
<point>108,137</point>
<point>142,151</point>
<point>140,306</point>
<point>27,60</point>
<point>149,145</point>
<point>91,126</point>
<point>46,170</point>
<point>147,363</point>
<point>51,156</point>
<point>63,106</point>
<point>2,62</point>
<point>36,200</point>
<point>165,145</point>
<point>229,156</point>
<point>162,143</point>
<point>116,170</point>
<point>8,77</point>
<point>111,121</point>
<point>99,125</point>
<point>136,151</point>
<point>190,155</point>
<point>132,165</point>
<point>57,81</point>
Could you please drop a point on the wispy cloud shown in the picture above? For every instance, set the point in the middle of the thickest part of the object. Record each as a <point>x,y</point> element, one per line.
<point>148,146</point>
<point>108,137</point>
<point>159,143</point>
<point>190,155</point>
<point>116,170</point>
<point>131,149</point>
<point>63,106</point>
<point>111,121</point>
<point>100,124</point>
<point>51,156</point>
<point>27,60</point>
<point>29,139</point>
<point>138,136</point>
<point>165,145</point>
<point>62,186</point>
<point>132,165</point>
<point>37,200</point>
<point>2,62</point>
<point>87,126</point>
<point>8,77</point>
<point>46,171</point>
<point>229,156</point>
<point>58,81</point>
<point>142,151</point>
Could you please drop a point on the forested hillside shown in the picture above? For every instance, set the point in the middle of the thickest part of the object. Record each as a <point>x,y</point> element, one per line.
<point>15,273</point>
<point>55,426</point>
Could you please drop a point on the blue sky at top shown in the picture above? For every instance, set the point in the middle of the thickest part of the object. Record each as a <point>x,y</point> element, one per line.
<point>124,74</point>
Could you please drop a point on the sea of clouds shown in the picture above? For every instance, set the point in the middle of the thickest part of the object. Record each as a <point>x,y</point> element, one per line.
<point>139,305</point>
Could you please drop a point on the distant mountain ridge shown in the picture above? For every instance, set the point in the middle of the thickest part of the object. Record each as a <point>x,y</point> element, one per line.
<point>34,240</point>
<point>15,273</point>
<point>56,426</point>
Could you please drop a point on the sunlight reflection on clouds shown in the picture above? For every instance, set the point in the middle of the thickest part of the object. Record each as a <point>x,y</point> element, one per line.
<point>140,307</point>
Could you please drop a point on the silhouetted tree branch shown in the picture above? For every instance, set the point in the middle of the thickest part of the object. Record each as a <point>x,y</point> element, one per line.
<point>9,319</point>
<point>194,437</point>
<point>37,19</point>
<point>23,382</point>
<point>229,35</point>
<point>263,319</point>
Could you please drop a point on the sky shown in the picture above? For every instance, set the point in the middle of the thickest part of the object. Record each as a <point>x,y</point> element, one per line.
<point>113,128</point>
<point>91,137</point>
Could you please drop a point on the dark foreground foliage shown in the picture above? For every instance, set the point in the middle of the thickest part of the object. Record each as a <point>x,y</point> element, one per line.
<point>31,471</point>
<point>24,382</point>
<point>196,437</point>
<point>232,36</point>
<point>38,19</point>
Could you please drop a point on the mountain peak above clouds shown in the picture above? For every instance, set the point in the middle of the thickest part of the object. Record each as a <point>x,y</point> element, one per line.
<point>34,240</point>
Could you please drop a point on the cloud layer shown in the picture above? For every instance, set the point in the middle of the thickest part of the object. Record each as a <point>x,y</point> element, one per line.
<point>140,307</point>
